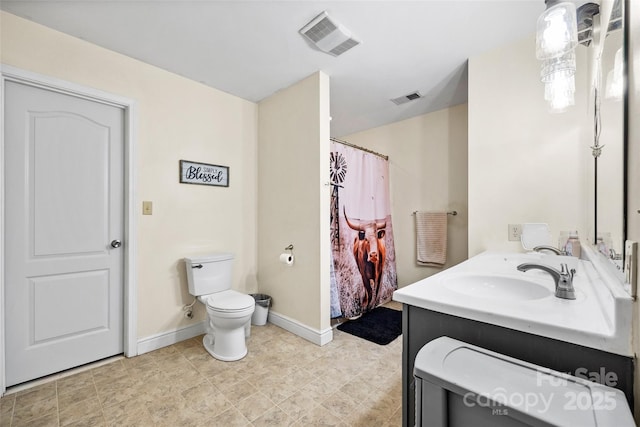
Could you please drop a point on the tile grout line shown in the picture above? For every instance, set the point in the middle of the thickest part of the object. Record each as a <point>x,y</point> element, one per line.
<point>95,388</point>
<point>57,403</point>
<point>13,411</point>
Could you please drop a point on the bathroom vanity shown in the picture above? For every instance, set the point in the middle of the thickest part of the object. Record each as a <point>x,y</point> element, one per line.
<point>486,301</point>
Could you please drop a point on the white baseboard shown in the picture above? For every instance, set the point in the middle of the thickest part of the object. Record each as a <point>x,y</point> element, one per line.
<point>310,334</point>
<point>165,339</point>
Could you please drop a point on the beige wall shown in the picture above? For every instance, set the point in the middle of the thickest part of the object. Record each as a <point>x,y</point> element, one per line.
<point>293,200</point>
<point>176,119</point>
<point>525,164</point>
<point>428,172</point>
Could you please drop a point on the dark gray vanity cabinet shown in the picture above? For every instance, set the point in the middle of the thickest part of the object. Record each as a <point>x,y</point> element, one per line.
<point>420,326</point>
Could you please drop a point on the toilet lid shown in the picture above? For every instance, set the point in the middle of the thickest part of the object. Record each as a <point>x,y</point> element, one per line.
<point>230,301</point>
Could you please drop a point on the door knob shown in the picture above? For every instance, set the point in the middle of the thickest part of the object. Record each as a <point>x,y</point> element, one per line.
<point>116,243</point>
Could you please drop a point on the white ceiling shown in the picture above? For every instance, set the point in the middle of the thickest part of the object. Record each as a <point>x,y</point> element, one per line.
<point>252,49</point>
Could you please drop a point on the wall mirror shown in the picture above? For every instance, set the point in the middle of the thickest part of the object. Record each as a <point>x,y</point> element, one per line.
<point>598,110</point>
<point>609,155</point>
<point>592,123</point>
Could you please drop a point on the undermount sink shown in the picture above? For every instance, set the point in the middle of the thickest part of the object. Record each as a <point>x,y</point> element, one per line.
<point>495,287</point>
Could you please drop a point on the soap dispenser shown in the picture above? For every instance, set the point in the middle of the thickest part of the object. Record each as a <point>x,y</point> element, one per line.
<point>572,247</point>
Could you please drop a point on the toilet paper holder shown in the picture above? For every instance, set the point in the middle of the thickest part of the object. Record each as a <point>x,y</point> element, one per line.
<point>287,256</point>
<point>290,249</point>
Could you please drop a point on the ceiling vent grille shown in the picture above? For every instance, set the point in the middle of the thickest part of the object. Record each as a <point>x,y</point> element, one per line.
<point>328,35</point>
<point>406,98</point>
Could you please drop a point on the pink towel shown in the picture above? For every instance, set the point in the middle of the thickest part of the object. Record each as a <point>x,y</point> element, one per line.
<point>431,238</point>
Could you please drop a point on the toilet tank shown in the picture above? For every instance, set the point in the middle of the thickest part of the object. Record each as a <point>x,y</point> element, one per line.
<point>208,274</point>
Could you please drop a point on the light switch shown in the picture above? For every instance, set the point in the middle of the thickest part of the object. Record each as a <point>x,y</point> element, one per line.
<point>147,207</point>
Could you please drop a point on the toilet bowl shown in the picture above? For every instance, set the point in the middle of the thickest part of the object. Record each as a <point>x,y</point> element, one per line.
<point>229,319</point>
<point>228,311</point>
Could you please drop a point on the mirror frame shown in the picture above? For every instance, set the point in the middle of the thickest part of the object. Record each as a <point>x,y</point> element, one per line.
<point>625,140</point>
<point>625,119</point>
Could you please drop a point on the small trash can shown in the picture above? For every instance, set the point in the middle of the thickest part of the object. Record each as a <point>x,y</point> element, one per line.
<point>260,314</point>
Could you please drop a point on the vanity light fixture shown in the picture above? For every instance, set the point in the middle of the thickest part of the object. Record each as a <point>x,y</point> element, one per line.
<point>560,28</point>
<point>556,39</point>
<point>557,30</point>
<point>557,74</point>
<point>559,93</point>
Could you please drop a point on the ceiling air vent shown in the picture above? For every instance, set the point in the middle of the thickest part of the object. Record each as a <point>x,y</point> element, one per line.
<point>328,35</point>
<point>406,98</point>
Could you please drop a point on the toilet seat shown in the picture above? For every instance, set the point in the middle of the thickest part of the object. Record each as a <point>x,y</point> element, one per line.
<point>229,301</point>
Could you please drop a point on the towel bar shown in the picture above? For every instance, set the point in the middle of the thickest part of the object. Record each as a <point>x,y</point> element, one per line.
<point>452,213</point>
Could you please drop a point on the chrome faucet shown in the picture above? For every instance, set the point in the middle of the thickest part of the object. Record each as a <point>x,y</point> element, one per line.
<point>614,255</point>
<point>563,278</point>
<point>550,249</point>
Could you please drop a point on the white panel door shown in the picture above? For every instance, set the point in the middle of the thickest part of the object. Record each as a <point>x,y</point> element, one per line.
<point>64,208</point>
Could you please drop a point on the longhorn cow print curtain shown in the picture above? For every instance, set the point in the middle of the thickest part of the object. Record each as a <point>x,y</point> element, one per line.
<point>363,273</point>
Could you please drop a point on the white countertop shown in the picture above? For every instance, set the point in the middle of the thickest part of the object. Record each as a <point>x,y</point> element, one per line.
<point>599,317</point>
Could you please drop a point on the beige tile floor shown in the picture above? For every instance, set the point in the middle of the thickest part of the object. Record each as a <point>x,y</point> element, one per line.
<point>283,381</point>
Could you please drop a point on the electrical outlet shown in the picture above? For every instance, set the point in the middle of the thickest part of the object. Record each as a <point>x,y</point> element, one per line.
<point>514,232</point>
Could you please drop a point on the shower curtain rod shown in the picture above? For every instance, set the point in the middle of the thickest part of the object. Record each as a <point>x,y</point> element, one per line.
<point>358,147</point>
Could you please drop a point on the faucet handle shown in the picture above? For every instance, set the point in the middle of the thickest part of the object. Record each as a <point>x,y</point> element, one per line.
<point>564,270</point>
<point>614,255</point>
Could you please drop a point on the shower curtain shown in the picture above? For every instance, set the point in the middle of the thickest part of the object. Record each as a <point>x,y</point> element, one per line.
<point>363,270</point>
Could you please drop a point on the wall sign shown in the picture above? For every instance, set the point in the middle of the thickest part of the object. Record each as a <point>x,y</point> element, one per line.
<point>203,174</point>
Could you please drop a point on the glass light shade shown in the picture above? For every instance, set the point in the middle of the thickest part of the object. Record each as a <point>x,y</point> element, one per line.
<point>557,31</point>
<point>560,93</point>
<point>558,68</point>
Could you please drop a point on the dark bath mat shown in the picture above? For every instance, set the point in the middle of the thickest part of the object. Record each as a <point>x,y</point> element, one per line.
<point>381,325</point>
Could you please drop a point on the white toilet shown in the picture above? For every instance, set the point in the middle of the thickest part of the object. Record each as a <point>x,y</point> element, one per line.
<point>228,311</point>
